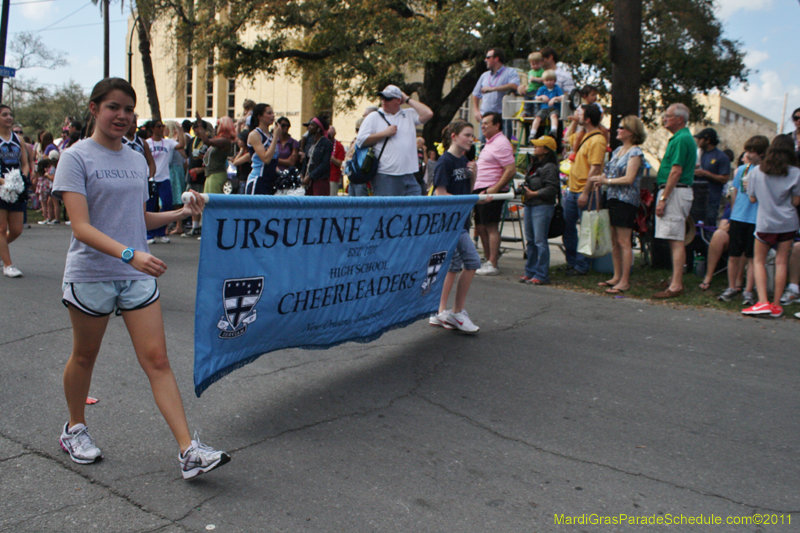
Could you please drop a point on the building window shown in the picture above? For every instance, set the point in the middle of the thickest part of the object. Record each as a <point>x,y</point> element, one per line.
<point>210,87</point>
<point>189,76</point>
<point>463,111</point>
<point>232,97</point>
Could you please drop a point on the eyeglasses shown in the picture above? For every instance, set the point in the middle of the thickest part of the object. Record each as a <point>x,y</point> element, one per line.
<point>18,132</point>
<point>488,57</point>
<point>796,117</point>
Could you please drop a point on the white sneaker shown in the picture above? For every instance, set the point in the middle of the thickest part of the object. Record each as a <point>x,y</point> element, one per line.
<point>11,271</point>
<point>164,239</point>
<point>199,459</point>
<point>43,222</point>
<point>151,241</point>
<point>488,270</point>
<point>461,321</point>
<point>789,297</point>
<point>79,444</point>
<point>440,320</point>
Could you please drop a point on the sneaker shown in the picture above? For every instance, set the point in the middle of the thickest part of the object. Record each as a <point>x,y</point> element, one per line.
<point>11,271</point>
<point>789,297</point>
<point>748,298</point>
<point>440,320</point>
<point>199,459</point>
<point>68,223</point>
<point>461,321</point>
<point>43,222</point>
<point>797,315</point>
<point>164,240</point>
<point>79,444</point>
<point>51,222</point>
<point>525,279</point>
<point>764,308</point>
<point>728,294</point>
<point>56,222</point>
<point>776,311</point>
<point>488,270</point>
<point>151,241</point>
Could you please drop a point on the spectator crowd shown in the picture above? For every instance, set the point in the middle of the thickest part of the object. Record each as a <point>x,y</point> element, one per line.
<point>751,214</point>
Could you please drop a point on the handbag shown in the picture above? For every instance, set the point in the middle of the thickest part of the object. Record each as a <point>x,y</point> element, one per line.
<point>557,223</point>
<point>364,165</point>
<point>594,239</point>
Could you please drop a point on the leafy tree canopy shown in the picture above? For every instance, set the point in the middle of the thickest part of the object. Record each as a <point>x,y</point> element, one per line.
<point>42,109</point>
<point>352,49</point>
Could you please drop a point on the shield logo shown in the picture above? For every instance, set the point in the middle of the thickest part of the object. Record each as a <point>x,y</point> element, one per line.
<point>434,265</point>
<point>239,298</point>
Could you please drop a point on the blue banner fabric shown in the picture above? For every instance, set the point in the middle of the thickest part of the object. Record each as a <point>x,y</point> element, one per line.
<point>286,272</point>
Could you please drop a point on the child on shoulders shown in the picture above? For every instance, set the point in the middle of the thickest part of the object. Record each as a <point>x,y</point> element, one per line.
<point>549,95</point>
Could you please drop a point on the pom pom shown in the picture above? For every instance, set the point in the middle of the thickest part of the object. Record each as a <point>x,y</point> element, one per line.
<point>13,186</point>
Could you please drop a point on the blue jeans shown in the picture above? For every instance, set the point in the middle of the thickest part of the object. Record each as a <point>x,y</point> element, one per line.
<point>388,185</point>
<point>357,189</point>
<point>572,215</point>
<point>537,224</point>
<point>165,194</point>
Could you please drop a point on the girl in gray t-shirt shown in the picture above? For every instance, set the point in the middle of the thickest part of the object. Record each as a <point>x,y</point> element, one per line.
<point>775,185</point>
<point>104,187</point>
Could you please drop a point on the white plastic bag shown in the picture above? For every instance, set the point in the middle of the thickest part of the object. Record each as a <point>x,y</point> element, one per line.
<point>594,239</point>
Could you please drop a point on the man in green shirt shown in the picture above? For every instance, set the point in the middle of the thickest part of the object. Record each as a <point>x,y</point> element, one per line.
<point>675,196</point>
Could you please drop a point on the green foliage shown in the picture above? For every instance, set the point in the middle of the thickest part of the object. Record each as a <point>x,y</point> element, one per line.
<point>352,49</point>
<point>45,110</point>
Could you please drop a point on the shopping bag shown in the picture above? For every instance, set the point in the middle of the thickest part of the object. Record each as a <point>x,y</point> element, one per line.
<point>594,239</point>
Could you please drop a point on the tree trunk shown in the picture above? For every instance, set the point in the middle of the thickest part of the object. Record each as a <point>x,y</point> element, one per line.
<point>445,107</point>
<point>626,61</point>
<point>147,68</point>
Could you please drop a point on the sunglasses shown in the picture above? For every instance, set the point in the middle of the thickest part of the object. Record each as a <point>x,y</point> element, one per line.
<point>18,132</point>
<point>796,117</point>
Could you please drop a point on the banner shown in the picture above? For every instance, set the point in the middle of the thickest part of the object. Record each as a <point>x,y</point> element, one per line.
<point>313,272</point>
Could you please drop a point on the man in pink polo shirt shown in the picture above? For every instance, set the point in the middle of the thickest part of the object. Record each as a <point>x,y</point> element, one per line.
<point>496,168</point>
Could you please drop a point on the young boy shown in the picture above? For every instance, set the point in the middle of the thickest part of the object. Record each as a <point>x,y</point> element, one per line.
<point>743,222</point>
<point>549,95</point>
<point>589,95</point>
<point>533,84</point>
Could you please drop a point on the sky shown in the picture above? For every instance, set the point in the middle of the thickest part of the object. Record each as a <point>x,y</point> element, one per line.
<point>763,27</point>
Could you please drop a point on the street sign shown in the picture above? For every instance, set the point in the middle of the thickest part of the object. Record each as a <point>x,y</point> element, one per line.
<point>7,72</point>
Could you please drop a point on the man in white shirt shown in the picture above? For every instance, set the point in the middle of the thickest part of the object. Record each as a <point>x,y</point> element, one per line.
<point>392,131</point>
<point>563,76</point>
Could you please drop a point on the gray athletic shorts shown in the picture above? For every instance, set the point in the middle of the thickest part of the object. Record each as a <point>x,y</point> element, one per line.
<point>101,298</point>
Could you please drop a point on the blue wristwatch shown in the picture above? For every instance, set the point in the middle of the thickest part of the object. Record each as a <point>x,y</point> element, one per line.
<point>127,255</point>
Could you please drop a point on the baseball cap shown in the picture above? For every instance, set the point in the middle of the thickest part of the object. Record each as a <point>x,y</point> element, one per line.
<point>391,91</point>
<point>546,141</point>
<point>709,134</point>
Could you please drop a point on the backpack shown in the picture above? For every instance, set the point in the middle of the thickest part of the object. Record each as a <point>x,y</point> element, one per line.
<point>364,165</point>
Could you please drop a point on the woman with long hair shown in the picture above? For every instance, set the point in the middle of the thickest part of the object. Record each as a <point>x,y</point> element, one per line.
<point>215,162</point>
<point>12,210</point>
<point>542,188</point>
<point>623,176</point>
<point>263,153</point>
<point>109,268</point>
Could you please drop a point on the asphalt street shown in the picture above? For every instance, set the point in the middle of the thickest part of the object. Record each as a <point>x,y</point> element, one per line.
<point>564,405</point>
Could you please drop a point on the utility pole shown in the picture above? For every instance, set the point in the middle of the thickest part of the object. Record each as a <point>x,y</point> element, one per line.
<point>3,39</point>
<point>106,60</point>
<point>782,122</point>
<point>625,52</point>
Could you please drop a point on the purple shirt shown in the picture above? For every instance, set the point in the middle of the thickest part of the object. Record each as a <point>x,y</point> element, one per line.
<point>285,150</point>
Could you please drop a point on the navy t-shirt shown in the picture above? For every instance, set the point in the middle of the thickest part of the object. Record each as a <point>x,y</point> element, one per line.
<point>452,173</point>
<point>716,162</point>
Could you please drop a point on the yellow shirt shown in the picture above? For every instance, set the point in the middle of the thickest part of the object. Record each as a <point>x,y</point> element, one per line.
<point>591,152</point>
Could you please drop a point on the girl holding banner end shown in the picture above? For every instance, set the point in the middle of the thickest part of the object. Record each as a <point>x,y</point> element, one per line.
<point>109,267</point>
<point>454,175</point>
